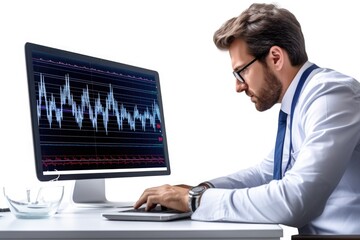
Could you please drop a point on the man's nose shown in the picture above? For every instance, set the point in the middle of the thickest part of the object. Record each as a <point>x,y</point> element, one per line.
<point>240,87</point>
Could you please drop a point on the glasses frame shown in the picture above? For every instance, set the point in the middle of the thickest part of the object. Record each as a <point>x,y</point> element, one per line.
<point>237,73</point>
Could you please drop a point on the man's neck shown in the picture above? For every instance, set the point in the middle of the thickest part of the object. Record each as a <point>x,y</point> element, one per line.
<point>287,78</point>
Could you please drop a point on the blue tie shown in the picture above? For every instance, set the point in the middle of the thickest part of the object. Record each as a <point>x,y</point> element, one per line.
<point>279,145</point>
<point>282,127</point>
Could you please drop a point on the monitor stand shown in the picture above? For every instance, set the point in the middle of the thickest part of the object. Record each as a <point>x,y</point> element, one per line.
<point>91,193</point>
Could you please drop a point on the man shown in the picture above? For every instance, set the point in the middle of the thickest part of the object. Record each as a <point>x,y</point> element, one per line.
<point>311,179</point>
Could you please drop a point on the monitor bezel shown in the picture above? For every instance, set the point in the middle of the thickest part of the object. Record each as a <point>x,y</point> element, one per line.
<point>29,49</point>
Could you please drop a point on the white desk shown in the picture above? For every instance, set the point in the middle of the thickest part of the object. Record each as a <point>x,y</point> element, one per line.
<point>91,225</point>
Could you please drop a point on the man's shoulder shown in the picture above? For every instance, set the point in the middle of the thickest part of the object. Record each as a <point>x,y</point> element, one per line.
<point>329,80</point>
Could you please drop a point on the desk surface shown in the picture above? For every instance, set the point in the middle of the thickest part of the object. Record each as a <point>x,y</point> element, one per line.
<point>90,224</point>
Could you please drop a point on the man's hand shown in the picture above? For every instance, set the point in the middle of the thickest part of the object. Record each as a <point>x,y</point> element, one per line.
<point>174,197</point>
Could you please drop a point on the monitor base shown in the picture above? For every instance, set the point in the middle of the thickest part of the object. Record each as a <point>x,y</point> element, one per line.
<point>91,194</point>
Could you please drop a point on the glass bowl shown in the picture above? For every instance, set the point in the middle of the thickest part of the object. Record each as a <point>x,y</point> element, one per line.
<point>35,202</point>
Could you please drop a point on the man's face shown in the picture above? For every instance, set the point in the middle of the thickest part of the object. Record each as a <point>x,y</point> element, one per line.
<point>261,84</point>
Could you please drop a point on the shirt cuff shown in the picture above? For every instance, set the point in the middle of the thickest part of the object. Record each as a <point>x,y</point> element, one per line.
<point>211,207</point>
<point>207,184</point>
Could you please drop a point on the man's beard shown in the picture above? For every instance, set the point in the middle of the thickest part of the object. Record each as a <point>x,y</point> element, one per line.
<point>270,93</point>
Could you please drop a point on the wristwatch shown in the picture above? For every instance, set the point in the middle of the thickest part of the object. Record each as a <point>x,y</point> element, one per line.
<point>194,196</point>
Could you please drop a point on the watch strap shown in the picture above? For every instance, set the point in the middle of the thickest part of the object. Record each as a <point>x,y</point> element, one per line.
<point>194,197</point>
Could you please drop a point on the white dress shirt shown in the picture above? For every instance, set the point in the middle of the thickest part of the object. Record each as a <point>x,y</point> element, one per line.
<point>320,191</point>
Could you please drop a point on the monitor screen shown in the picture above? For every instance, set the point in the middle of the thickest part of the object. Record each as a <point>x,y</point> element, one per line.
<point>94,118</point>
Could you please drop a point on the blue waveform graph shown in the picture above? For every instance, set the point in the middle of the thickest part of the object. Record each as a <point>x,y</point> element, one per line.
<point>94,108</point>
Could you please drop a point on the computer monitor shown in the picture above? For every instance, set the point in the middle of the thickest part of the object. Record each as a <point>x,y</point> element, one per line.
<point>93,119</point>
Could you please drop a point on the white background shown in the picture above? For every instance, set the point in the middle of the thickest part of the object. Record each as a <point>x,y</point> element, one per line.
<point>211,130</point>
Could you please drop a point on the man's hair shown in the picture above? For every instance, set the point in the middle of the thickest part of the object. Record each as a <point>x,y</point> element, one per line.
<point>262,26</point>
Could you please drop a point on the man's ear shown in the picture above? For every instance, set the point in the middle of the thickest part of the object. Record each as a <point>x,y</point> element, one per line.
<point>275,58</point>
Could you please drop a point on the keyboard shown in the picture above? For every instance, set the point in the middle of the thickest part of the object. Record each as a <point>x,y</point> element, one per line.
<point>156,214</point>
<point>157,209</point>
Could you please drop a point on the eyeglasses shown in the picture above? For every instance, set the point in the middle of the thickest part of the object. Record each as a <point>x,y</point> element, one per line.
<point>237,74</point>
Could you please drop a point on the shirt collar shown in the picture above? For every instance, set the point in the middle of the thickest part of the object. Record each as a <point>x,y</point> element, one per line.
<point>289,94</point>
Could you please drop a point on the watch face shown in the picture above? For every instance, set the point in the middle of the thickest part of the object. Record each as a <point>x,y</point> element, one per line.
<point>198,189</point>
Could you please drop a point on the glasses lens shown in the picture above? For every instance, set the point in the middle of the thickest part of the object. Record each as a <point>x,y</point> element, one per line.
<point>238,77</point>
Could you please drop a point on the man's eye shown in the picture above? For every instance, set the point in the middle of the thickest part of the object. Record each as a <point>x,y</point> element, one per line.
<point>243,71</point>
